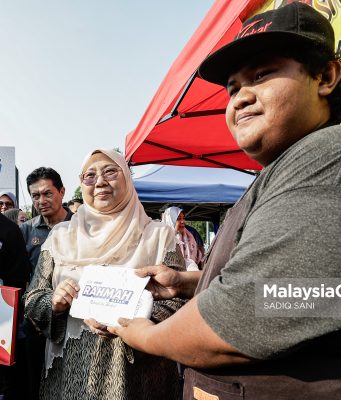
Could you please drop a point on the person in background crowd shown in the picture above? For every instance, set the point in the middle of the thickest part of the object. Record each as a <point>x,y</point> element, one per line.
<point>74,204</point>
<point>14,272</point>
<point>83,360</point>
<point>199,241</point>
<point>7,201</point>
<point>175,217</point>
<point>16,215</point>
<point>47,191</point>
<point>14,265</point>
<point>284,82</point>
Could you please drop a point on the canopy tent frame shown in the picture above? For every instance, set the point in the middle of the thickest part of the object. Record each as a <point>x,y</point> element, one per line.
<point>204,193</point>
<point>187,156</point>
<point>160,137</point>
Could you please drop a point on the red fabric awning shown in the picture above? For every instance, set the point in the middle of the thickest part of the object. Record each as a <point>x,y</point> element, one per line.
<point>185,122</point>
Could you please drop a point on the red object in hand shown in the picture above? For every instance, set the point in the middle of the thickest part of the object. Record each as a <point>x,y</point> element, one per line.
<point>9,300</point>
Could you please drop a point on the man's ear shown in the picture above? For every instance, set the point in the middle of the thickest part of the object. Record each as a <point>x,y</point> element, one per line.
<point>330,77</point>
<point>62,191</point>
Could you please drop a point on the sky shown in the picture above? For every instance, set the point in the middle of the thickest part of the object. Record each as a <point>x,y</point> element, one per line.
<point>78,75</point>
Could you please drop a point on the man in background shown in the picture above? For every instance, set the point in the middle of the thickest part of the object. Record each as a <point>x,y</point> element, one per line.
<point>47,191</point>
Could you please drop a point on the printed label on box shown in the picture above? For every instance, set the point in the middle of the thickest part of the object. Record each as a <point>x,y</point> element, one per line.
<point>107,293</point>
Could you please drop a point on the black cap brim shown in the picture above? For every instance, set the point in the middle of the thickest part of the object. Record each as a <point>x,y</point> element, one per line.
<point>217,67</point>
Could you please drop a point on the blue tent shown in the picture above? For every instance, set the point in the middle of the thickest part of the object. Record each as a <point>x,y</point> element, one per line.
<point>202,192</point>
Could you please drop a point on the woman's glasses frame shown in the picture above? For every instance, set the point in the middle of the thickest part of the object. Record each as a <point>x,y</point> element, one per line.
<point>7,204</point>
<point>89,178</point>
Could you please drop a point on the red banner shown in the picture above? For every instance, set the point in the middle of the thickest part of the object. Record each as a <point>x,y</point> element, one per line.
<point>9,299</point>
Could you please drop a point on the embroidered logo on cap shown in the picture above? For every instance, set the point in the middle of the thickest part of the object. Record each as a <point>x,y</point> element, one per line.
<point>250,30</point>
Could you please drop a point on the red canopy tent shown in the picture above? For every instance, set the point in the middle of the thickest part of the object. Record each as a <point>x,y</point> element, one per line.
<point>185,122</point>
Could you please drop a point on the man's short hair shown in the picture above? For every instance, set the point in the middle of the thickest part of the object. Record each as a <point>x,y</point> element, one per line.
<point>44,173</point>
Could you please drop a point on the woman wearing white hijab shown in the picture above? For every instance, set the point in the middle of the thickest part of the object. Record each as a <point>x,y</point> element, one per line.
<point>83,360</point>
<point>175,217</point>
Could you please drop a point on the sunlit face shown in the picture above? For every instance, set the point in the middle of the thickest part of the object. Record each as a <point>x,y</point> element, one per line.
<point>180,223</point>
<point>5,203</point>
<point>274,103</point>
<point>22,217</point>
<point>47,199</point>
<point>104,195</point>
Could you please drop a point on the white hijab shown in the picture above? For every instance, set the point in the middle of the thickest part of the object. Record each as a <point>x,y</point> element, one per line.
<point>124,236</point>
<point>186,241</point>
<point>170,216</point>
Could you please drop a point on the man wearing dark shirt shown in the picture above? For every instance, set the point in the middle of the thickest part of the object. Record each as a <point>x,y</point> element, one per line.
<point>47,191</point>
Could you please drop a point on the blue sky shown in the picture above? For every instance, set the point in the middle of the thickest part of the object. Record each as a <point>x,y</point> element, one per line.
<point>79,74</point>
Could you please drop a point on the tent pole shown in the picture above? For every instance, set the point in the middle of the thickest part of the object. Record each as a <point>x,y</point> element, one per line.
<point>174,111</point>
<point>207,235</point>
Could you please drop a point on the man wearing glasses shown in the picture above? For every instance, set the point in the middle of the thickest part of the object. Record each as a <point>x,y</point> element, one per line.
<point>47,191</point>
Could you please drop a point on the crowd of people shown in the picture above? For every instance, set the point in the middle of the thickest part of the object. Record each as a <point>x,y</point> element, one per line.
<point>50,341</point>
<point>204,339</point>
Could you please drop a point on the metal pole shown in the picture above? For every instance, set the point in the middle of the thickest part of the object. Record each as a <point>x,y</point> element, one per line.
<point>207,235</point>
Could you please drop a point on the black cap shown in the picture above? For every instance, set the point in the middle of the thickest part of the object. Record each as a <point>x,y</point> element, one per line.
<point>296,25</point>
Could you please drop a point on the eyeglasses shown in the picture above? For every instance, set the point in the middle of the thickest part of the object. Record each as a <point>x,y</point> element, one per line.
<point>90,178</point>
<point>7,204</point>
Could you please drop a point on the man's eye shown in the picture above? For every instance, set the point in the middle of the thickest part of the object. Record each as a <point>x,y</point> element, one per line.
<point>232,91</point>
<point>261,74</point>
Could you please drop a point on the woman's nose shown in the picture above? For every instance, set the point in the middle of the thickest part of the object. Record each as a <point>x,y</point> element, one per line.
<point>101,181</point>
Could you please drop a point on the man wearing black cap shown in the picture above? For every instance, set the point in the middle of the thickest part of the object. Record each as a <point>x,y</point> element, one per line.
<point>283,80</point>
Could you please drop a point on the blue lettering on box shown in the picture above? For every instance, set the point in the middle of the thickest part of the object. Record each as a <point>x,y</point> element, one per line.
<point>121,296</point>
